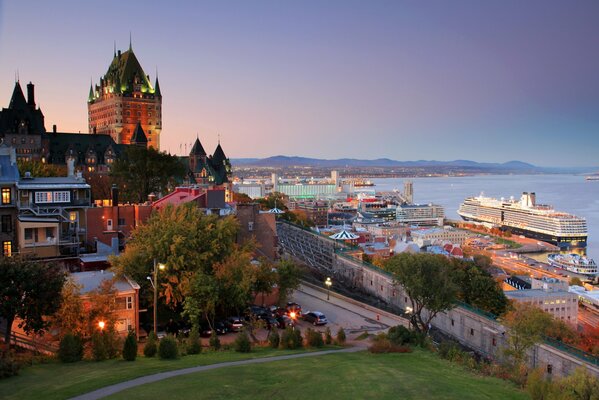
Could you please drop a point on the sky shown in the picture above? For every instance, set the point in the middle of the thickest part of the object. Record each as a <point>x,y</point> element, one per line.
<point>407,80</point>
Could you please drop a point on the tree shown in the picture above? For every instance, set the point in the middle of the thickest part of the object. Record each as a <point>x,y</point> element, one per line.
<point>580,385</point>
<point>241,198</point>
<point>575,281</point>
<point>185,240</point>
<point>39,169</point>
<point>526,324</point>
<point>101,185</point>
<point>478,288</point>
<point>130,347</point>
<point>29,291</point>
<point>288,279</point>
<point>265,278</point>
<point>141,171</point>
<point>71,316</point>
<point>429,283</point>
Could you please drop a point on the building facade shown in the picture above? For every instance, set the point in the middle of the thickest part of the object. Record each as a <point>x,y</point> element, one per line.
<point>9,176</point>
<point>123,98</point>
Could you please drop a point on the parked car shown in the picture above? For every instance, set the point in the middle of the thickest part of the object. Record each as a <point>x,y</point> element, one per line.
<point>315,317</point>
<point>235,324</point>
<point>269,321</point>
<point>277,311</point>
<point>294,307</point>
<point>206,331</point>
<point>257,312</point>
<point>284,321</point>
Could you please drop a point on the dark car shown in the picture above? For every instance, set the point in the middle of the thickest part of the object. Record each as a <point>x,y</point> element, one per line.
<point>235,324</point>
<point>294,308</point>
<point>219,327</point>
<point>269,321</point>
<point>315,317</point>
<point>284,321</point>
<point>277,311</point>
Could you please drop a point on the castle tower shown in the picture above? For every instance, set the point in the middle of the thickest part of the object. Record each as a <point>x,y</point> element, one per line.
<point>123,98</point>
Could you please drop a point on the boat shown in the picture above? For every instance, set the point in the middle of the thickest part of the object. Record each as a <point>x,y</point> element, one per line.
<point>361,183</point>
<point>526,217</point>
<point>573,263</point>
<point>592,178</point>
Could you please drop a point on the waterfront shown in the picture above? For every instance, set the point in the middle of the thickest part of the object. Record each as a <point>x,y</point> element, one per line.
<point>568,193</point>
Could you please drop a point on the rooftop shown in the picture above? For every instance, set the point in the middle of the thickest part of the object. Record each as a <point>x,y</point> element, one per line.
<point>92,280</point>
<point>534,293</point>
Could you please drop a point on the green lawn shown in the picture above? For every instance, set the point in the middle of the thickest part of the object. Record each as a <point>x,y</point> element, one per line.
<point>418,375</point>
<point>60,381</point>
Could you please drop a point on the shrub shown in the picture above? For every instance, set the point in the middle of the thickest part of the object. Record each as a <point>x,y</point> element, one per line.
<point>341,336</point>
<point>70,349</point>
<point>381,344</point>
<point>449,350</point>
<point>150,348</point>
<point>400,335</point>
<point>8,367</point>
<point>214,341</point>
<point>274,339</point>
<point>242,343</point>
<point>314,338</point>
<point>286,341</point>
<point>130,347</point>
<point>112,343</point>
<point>363,335</point>
<point>194,346</point>
<point>99,352</point>
<point>328,338</point>
<point>167,348</point>
<point>296,339</point>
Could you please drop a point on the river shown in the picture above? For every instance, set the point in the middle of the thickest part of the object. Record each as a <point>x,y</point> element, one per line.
<point>568,193</point>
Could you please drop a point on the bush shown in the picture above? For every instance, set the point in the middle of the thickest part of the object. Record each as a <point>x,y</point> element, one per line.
<point>341,336</point>
<point>112,343</point>
<point>167,348</point>
<point>130,347</point>
<point>286,342</point>
<point>70,349</point>
<point>99,352</point>
<point>274,339</point>
<point>328,338</point>
<point>296,339</point>
<point>214,341</point>
<point>451,351</point>
<point>150,348</point>
<point>194,346</point>
<point>8,367</point>
<point>382,344</point>
<point>314,338</point>
<point>242,343</point>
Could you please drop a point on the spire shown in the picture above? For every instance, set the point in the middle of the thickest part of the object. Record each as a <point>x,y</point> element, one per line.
<point>90,97</point>
<point>197,149</point>
<point>219,155</point>
<point>157,87</point>
<point>139,137</point>
<point>18,98</point>
<point>114,54</point>
<point>130,46</point>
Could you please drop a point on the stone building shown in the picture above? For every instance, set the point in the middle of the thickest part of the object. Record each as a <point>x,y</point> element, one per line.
<point>123,98</point>
<point>9,176</point>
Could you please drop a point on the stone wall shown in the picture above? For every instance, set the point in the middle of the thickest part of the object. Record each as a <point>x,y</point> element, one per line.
<point>470,327</point>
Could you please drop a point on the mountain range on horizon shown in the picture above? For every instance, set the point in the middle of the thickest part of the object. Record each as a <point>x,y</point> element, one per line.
<point>289,161</point>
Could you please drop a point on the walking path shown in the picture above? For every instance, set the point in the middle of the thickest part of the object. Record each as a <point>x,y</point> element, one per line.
<point>112,389</point>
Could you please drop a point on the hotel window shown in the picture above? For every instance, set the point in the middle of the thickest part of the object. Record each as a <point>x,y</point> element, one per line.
<point>49,233</point>
<point>43,197</point>
<point>6,196</point>
<point>6,224</point>
<point>7,248</point>
<point>62,197</point>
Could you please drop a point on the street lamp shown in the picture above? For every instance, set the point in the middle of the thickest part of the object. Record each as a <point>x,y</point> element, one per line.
<point>293,316</point>
<point>157,266</point>
<point>101,325</point>
<point>328,282</point>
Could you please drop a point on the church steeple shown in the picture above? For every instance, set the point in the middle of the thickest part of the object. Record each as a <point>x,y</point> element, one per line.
<point>157,87</point>
<point>90,97</point>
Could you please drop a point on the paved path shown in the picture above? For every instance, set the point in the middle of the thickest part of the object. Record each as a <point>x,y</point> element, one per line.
<point>112,389</point>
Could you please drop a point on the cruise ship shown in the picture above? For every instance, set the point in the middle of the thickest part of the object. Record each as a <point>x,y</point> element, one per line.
<point>573,263</point>
<point>525,217</point>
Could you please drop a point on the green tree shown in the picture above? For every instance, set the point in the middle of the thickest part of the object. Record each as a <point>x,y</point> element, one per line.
<point>39,169</point>
<point>575,281</point>
<point>429,282</point>
<point>71,316</point>
<point>29,291</point>
<point>478,288</point>
<point>527,324</point>
<point>130,347</point>
<point>184,239</point>
<point>580,385</point>
<point>265,278</point>
<point>141,171</point>
<point>288,279</point>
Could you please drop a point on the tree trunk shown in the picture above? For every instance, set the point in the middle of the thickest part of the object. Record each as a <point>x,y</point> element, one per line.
<point>9,322</point>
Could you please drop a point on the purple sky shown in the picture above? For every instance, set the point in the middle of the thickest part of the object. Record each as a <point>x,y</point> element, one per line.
<point>405,80</point>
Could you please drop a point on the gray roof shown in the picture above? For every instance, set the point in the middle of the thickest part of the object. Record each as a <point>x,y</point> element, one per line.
<point>535,293</point>
<point>67,182</point>
<point>92,280</point>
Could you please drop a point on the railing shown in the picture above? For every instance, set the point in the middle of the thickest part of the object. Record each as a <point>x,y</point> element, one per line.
<point>573,351</point>
<point>26,342</point>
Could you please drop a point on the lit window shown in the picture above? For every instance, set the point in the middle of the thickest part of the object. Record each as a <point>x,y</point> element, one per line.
<point>7,248</point>
<point>6,196</point>
<point>73,216</point>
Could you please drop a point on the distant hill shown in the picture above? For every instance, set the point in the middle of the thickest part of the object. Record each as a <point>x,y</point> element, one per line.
<point>287,161</point>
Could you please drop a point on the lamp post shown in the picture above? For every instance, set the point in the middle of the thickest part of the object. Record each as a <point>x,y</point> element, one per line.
<point>157,266</point>
<point>101,325</point>
<point>328,282</point>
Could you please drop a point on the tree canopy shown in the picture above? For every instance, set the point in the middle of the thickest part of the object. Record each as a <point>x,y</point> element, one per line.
<point>142,171</point>
<point>29,291</point>
<point>40,169</point>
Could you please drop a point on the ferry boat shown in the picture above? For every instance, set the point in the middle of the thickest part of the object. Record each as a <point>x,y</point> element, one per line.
<point>592,178</point>
<point>525,217</point>
<point>573,263</point>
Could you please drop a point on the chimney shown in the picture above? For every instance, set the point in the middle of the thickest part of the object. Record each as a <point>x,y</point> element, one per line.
<point>114,190</point>
<point>30,95</point>
<point>70,167</point>
<point>54,128</point>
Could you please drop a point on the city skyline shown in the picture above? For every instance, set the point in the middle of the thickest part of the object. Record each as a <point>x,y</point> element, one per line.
<point>490,83</point>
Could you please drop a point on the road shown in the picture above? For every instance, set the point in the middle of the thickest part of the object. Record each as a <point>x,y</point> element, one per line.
<point>340,313</point>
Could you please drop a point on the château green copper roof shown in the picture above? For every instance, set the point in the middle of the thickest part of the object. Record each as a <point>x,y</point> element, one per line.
<point>122,72</point>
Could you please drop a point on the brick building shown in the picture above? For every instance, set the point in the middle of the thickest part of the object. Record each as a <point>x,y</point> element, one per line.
<point>123,98</point>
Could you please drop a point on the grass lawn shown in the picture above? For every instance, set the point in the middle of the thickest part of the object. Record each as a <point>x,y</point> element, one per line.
<point>418,375</point>
<point>60,381</point>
